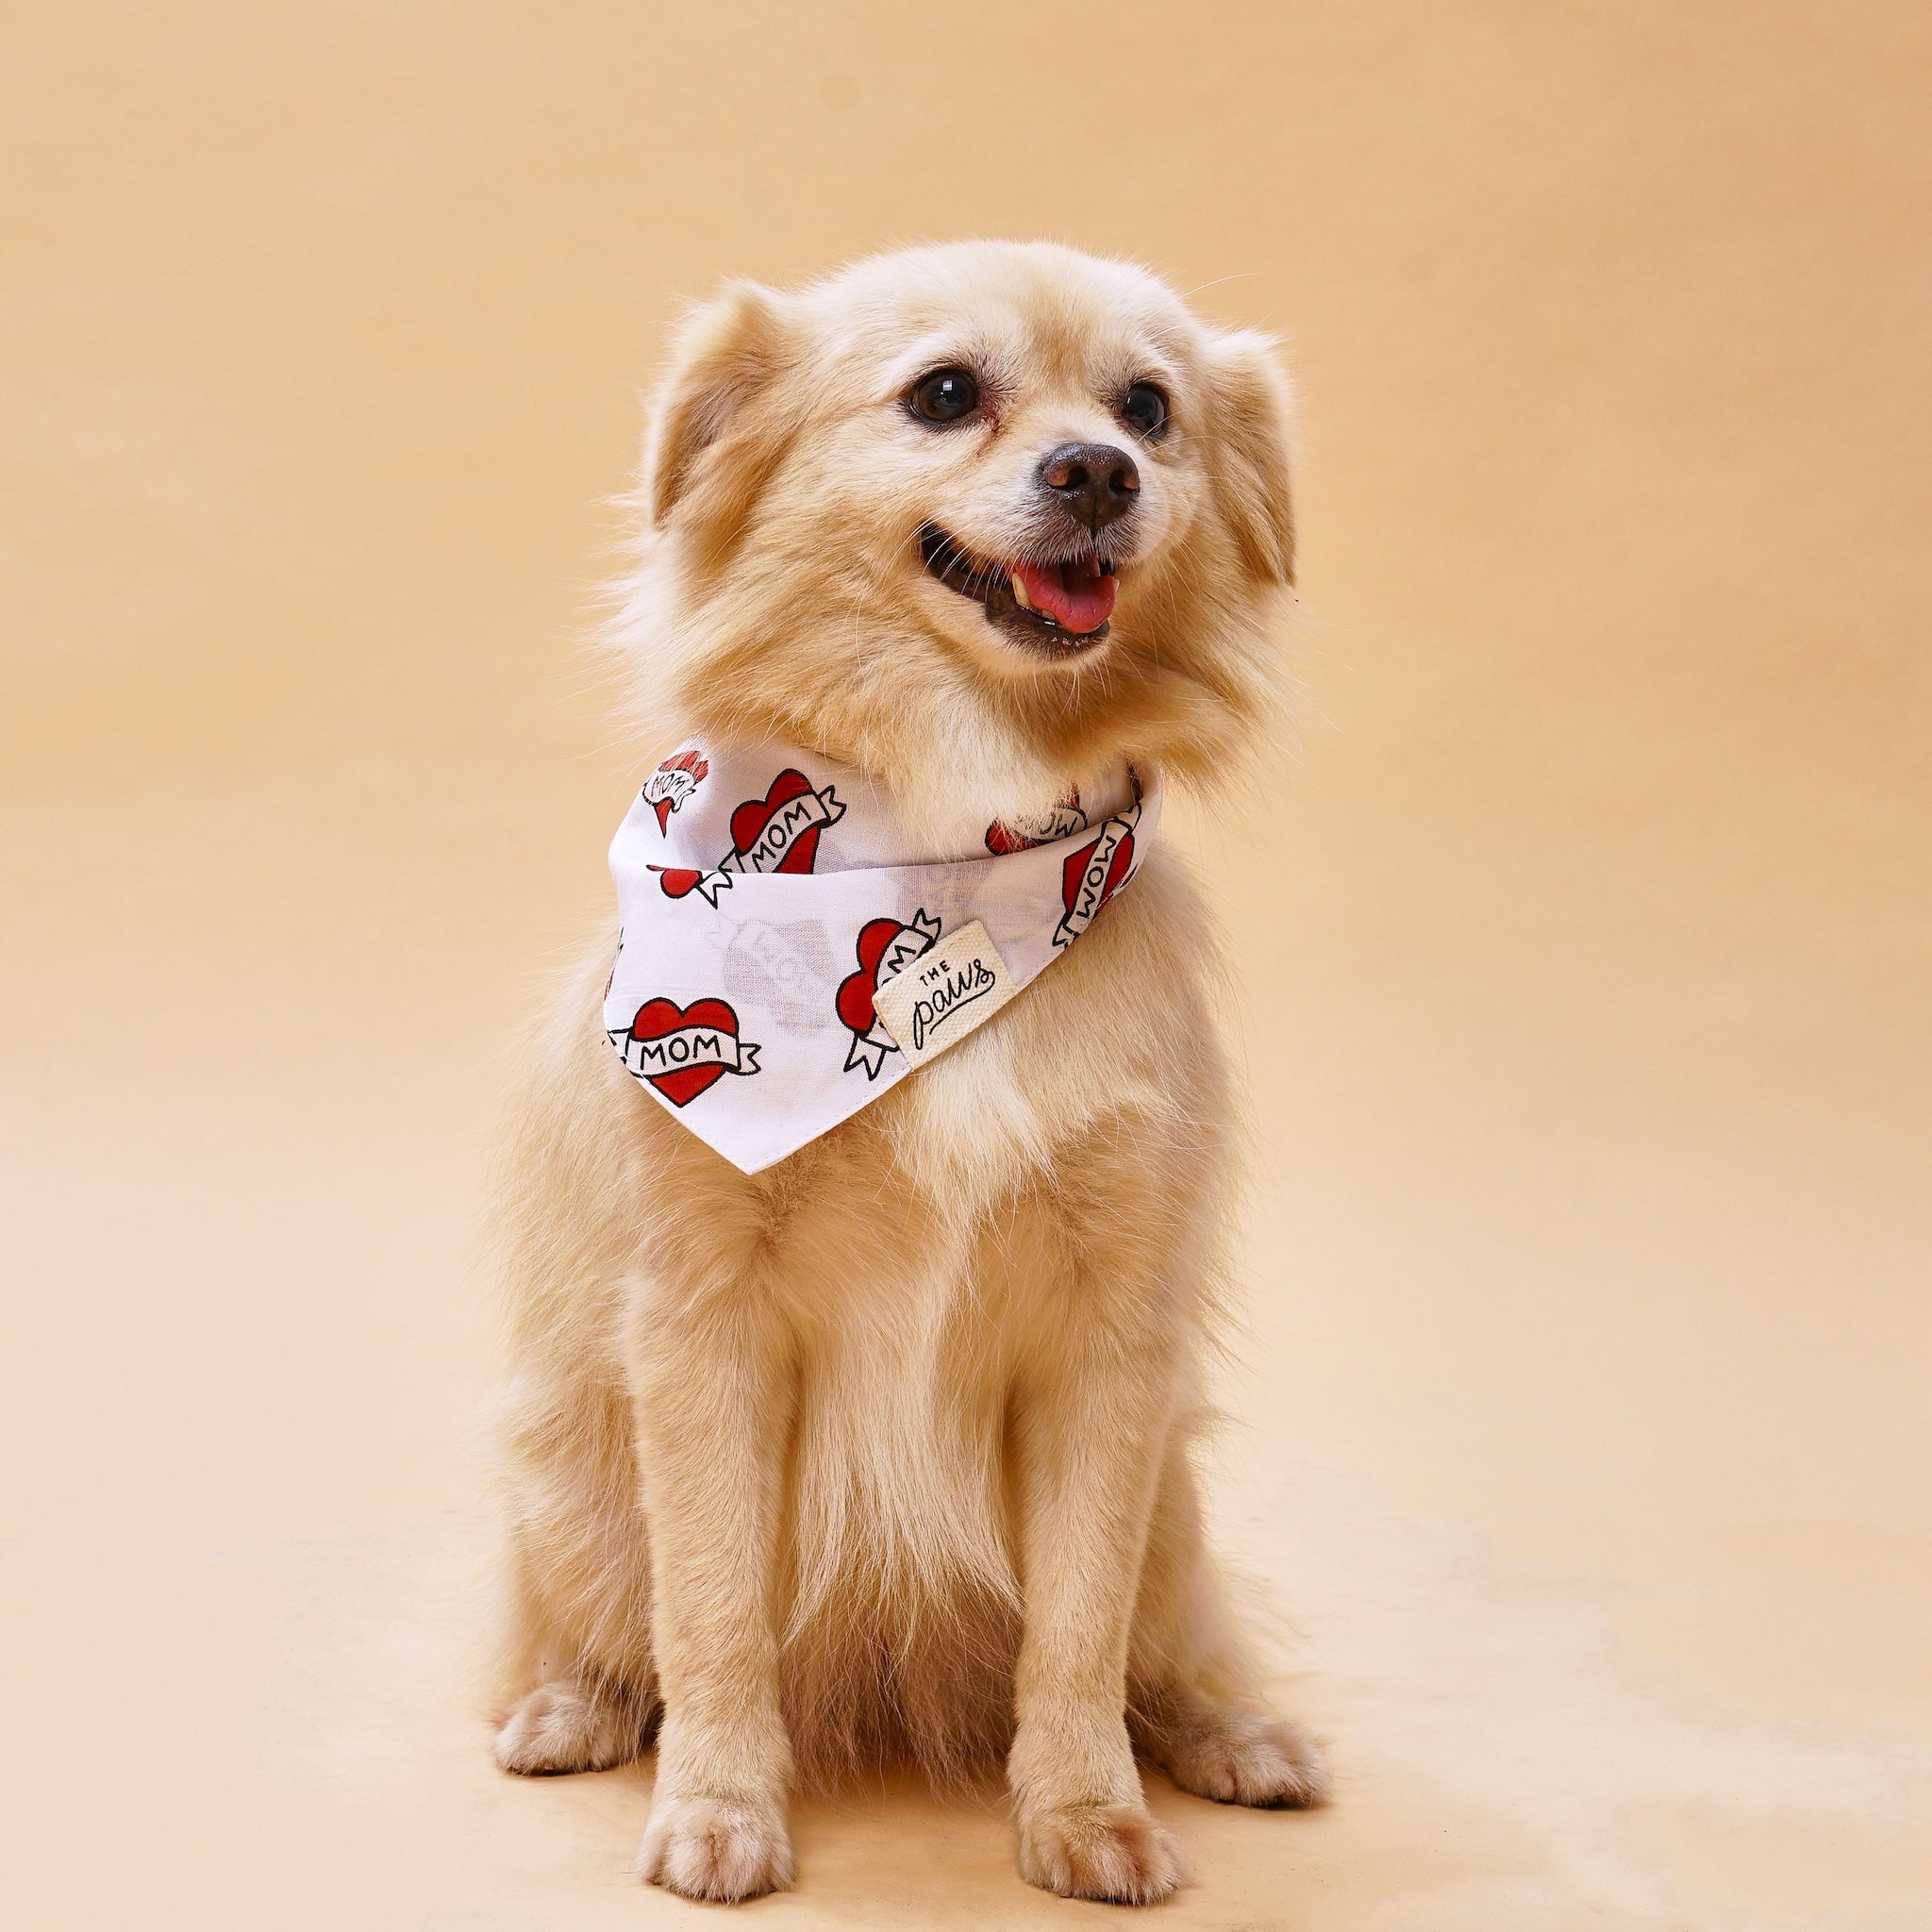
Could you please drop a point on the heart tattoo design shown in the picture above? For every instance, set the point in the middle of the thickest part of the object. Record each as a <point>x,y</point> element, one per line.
<point>885,948</point>
<point>684,1051</point>
<point>778,833</point>
<point>1095,872</point>
<point>671,785</point>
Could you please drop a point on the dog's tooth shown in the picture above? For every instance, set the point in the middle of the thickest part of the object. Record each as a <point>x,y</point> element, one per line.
<point>1020,597</point>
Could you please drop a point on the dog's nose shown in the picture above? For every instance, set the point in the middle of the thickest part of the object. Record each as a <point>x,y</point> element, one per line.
<point>1096,481</point>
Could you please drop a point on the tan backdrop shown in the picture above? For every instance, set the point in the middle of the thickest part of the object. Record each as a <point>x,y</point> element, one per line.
<point>1583,1433</point>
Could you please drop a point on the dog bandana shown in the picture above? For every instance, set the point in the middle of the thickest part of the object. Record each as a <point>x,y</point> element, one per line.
<point>784,954</point>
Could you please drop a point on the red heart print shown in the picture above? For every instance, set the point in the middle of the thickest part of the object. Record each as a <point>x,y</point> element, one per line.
<point>751,818</point>
<point>1074,871</point>
<point>658,1017</point>
<point>855,992</point>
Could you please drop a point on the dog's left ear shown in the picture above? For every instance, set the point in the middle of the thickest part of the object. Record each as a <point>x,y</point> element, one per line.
<point>715,437</point>
<point>1253,408</point>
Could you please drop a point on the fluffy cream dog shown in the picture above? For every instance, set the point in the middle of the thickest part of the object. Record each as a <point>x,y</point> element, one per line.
<point>885,1451</point>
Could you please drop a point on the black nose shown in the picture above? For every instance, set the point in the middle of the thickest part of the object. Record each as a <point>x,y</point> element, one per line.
<point>1096,481</point>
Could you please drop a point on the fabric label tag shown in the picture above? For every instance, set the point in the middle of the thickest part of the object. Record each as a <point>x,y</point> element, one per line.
<point>960,983</point>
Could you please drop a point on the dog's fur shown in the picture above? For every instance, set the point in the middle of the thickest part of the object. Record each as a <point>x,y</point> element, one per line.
<point>885,1451</point>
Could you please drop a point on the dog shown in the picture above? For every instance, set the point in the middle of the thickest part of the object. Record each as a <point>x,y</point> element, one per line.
<point>883,1452</point>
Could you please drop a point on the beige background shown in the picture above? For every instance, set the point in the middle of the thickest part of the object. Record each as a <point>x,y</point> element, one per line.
<point>1584,935</point>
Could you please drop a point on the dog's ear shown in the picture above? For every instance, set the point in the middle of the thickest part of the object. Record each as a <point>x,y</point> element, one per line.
<point>714,437</point>
<point>1248,455</point>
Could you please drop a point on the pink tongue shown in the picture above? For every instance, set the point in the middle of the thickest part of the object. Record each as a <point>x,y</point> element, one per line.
<point>1084,608</point>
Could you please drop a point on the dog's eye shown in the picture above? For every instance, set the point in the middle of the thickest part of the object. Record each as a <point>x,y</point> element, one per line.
<point>945,395</point>
<point>1143,409</point>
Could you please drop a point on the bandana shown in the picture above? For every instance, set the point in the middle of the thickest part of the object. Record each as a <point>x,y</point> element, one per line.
<point>785,953</point>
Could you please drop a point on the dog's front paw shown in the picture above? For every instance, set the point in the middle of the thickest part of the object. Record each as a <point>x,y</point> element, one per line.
<point>722,1849</point>
<point>1111,1852</point>
<point>1236,1757</point>
<point>559,1728</point>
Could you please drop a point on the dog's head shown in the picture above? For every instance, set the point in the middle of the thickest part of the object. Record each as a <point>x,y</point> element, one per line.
<point>976,517</point>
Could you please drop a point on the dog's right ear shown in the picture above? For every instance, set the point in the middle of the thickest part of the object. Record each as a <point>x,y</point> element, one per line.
<point>1249,459</point>
<point>715,437</point>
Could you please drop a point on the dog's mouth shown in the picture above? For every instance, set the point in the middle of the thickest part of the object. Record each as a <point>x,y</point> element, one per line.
<point>1060,609</point>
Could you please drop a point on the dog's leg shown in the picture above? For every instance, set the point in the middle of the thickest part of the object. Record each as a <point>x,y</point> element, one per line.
<point>1090,1439</point>
<point>568,1724</point>
<point>1191,1704</point>
<point>712,1400</point>
<point>1230,1754</point>
<point>576,1679</point>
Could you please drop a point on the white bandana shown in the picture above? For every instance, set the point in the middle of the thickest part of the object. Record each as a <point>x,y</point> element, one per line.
<point>784,954</point>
